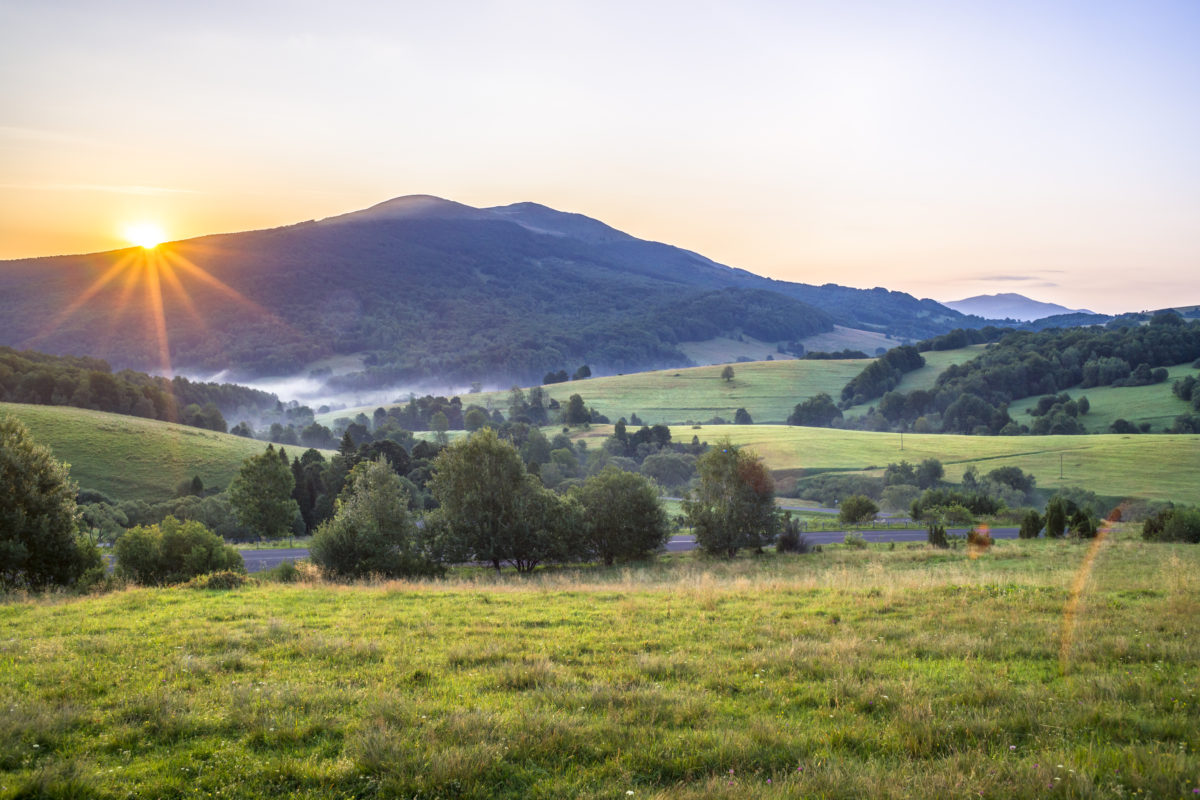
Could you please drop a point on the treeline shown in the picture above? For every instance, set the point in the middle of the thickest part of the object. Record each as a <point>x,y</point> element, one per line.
<point>556,461</point>
<point>973,398</point>
<point>41,379</point>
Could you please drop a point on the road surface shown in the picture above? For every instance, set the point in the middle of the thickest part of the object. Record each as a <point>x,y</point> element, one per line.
<point>259,560</point>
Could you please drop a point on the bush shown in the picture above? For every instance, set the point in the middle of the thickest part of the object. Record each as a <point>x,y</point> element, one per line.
<point>1031,525</point>
<point>857,508</point>
<point>283,572</point>
<point>225,579</point>
<point>937,535</point>
<point>855,540</point>
<point>1173,524</point>
<point>791,538</point>
<point>173,552</point>
<point>979,538</point>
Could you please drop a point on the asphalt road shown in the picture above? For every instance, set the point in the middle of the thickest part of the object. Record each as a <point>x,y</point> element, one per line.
<point>259,560</point>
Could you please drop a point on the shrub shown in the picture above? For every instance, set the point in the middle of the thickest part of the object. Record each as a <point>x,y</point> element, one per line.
<point>791,538</point>
<point>1173,524</point>
<point>855,540</point>
<point>857,508</point>
<point>979,538</point>
<point>173,552</point>
<point>1031,525</point>
<point>225,579</point>
<point>937,535</point>
<point>283,572</point>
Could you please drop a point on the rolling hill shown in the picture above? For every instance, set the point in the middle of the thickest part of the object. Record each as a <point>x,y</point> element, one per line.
<point>427,289</point>
<point>130,458</point>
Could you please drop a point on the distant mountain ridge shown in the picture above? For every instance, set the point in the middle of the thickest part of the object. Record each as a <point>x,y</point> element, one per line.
<point>428,289</point>
<point>1009,305</point>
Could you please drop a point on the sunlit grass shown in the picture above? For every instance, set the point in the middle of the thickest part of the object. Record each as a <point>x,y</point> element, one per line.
<point>849,673</point>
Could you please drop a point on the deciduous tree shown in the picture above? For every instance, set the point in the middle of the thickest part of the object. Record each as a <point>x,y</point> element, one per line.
<point>622,518</point>
<point>261,495</point>
<point>734,504</point>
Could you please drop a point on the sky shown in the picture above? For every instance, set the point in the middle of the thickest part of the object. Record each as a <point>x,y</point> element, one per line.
<point>945,149</point>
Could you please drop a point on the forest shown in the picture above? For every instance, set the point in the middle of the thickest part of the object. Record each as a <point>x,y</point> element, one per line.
<point>82,382</point>
<point>973,397</point>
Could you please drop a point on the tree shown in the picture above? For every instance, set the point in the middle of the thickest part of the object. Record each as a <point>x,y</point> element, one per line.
<point>576,412</point>
<point>929,472</point>
<point>734,504</point>
<point>371,532</point>
<point>818,411</point>
<point>40,545</point>
<point>622,518</point>
<point>172,552</point>
<point>857,508</point>
<point>742,417</point>
<point>727,374</point>
<point>490,510</point>
<point>584,371</point>
<point>261,495</point>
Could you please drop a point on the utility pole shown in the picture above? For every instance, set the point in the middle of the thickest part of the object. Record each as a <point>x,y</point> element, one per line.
<point>1060,462</point>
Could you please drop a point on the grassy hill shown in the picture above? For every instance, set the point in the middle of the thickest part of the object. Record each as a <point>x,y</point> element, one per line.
<point>1157,466</point>
<point>130,458</point>
<point>1155,404</point>
<point>769,390</point>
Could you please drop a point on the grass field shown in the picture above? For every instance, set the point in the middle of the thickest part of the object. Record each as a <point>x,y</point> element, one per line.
<point>130,458</point>
<point>1155,404</point>
<point>1154,466</point>
<point>1037,669</point>
<point>769,390</point>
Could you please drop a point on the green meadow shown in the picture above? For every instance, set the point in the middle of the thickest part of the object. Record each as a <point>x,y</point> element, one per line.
<point>130,458</point>
<point>1155,404</point>
<point>1158,466</point>
<point>1035,669</point>
<point>768,390</point>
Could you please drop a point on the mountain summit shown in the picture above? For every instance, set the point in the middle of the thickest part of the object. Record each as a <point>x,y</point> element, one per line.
<point>1010,305</point>
<point>425,289</point>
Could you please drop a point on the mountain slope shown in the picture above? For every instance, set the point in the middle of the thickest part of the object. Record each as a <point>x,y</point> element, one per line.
<point>430,289</point>
<point>1009,305</point>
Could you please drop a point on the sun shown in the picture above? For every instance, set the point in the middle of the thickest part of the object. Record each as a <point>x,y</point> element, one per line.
<point>145,234</point>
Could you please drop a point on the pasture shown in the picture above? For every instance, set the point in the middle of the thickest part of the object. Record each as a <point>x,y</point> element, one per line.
<point>1157,466</point>
<point>1035,669</point>
<point>130,458</point>
<point>1155,404</point>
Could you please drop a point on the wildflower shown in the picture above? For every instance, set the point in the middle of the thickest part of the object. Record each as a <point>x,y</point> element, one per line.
<point>1012,747</point>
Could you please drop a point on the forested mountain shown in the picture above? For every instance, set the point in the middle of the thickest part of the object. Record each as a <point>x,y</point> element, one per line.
<point>427,288</point>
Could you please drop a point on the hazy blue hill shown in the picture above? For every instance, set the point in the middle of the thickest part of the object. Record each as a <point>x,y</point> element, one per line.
<point>429,288</point>
<point>1010,305</point>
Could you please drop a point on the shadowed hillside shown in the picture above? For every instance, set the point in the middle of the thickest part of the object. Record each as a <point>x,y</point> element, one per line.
<point>425,287</point>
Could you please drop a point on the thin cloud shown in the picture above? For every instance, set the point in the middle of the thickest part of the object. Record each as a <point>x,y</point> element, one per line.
<point>97,187</point>
<point>43,135</point>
